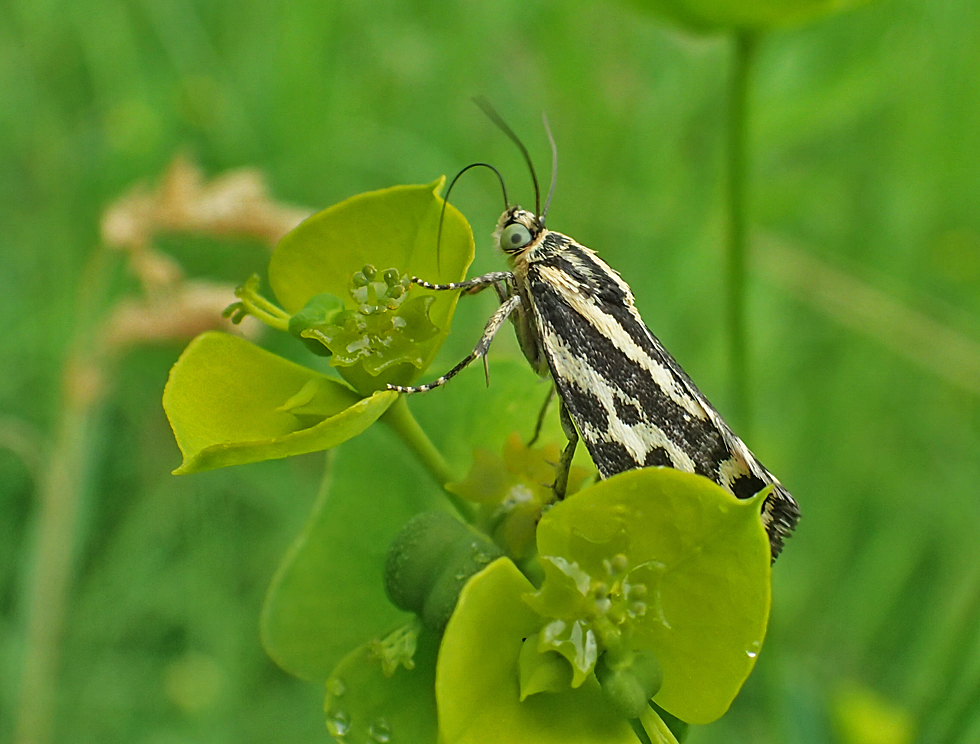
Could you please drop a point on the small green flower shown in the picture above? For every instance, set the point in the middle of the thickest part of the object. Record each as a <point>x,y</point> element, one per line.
<point>382,330</point>
<point>661,563</point>
<point>230,402</point>
<point>512,489</point>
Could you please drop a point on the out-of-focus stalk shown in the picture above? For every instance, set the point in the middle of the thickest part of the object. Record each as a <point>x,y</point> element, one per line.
<point>736,202</point>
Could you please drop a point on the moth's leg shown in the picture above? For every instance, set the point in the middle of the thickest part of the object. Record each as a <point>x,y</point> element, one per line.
<point>503,288</point>
<point>493,325</point>
<point>475,284</point>
<point>542,414</point>
<point>565,463</point>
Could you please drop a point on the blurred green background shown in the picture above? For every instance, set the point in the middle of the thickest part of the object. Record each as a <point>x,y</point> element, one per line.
<point>864,316</point>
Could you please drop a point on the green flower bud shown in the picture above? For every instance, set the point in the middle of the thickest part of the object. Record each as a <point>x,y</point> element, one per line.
<point>430,561</point>
<point>391,277</point>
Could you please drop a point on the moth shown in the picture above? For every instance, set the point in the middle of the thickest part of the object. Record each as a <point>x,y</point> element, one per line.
<point>618,387</point>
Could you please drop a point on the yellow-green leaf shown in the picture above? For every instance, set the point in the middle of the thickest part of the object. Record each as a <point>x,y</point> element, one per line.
<point>230,402</point>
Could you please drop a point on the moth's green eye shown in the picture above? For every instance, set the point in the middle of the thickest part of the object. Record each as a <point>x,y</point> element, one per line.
<point>514,236</point>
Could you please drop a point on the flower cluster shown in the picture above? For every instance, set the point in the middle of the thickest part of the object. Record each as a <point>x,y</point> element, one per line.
<point>502,616</point>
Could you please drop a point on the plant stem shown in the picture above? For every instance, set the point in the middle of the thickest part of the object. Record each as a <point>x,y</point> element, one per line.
<point>400,419</point>
<point>744,45</point>
<point>60,505</point>
<point>61,493</point>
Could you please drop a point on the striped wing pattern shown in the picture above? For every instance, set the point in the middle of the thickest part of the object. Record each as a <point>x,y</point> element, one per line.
<point>632,403</point>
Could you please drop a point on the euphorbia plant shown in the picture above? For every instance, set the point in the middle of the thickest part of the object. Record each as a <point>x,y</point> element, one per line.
<point>463,608</point>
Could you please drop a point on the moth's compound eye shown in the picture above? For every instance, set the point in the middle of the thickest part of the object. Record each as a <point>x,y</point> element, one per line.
<point>514,236</point>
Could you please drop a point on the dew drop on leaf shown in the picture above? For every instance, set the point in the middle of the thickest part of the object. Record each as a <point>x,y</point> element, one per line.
<point>338,723</point>
<point>380,731</point>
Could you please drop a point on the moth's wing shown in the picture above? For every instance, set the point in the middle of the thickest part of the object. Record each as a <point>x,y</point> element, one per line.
<point>781,513</point>
<point>631,401</point>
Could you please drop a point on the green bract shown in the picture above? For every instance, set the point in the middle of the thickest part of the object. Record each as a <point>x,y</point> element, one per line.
<point>478,679</point>
<point>328,254</point>
<point>661,561</point>
<point>743,14</point>
<point>327,596</point>
<point>230,402</point>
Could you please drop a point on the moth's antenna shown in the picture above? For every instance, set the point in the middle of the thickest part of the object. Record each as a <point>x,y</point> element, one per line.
<point>492,114</point>
<point>554,166</point>
<point>445,201</point>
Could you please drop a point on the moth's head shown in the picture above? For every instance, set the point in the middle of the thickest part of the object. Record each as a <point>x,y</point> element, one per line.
<point>517,230</point>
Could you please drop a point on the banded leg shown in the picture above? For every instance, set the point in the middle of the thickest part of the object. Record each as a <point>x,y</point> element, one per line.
<point>493,325</point>
<point>480,281</point>
<point>565,463</point>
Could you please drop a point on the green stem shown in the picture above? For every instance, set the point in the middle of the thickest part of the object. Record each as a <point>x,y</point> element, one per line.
<point>655,727</point>
<point>744,45</point>
<point>400,419</point>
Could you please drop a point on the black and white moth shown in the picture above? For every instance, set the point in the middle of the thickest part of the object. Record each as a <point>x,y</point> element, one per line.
<point>634,406</point>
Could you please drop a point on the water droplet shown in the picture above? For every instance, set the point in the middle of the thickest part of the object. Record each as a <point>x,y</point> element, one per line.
<point>753,650</point>
<point>338,723</point>
<point>380,731</point>
<point>336,686</point>
<point>751,654</point>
